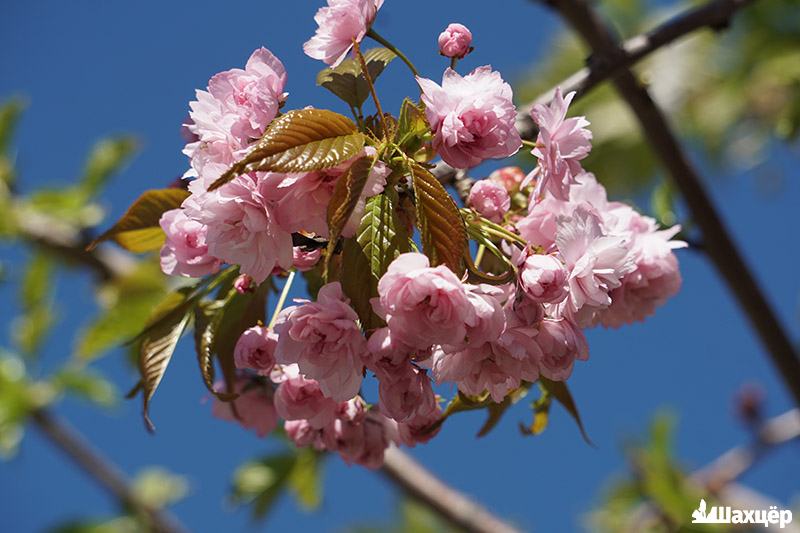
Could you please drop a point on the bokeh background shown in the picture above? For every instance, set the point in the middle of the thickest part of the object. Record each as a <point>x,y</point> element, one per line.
<point>89,68</point>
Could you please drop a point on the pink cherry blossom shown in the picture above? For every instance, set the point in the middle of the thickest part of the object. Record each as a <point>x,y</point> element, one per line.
<point>424,305</point>
<point>325,341</point>
<point>490,318</point>
<point>406,394</point>
<point>508,177</point>
<point>242,228</point>
<point>255,350</point>
<point>490,200</point>
<point>299,398</point>
<point>562,143</point>
<point>252,95</point>
<point>304,260</point>
<point>303,434</point>
<point>472,117</point>
<point>655,279</point>
<point>540,225</point>
<point>185,252</point>
<point>543,279</point>
<point>455,41</point>
<point>243,284</point>
<point>597,262</point>
<point>561,343</point>
<point>253,405</point>
<point>339,24</point>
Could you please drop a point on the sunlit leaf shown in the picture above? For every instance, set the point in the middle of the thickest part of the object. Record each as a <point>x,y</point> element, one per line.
<point>86,384</point>
<point>347,81</point>
<point>30,329</point>
<point>444,238</point>
<point>260,482</point>
<point>138,230</point>
<point>106,158</point>
<point>358,283</point>
<point>381,235</point>
<point>497,410</point>
<point>302,140</point>
<point>345,196</point>
<point>159,488</point>
<point>560,391</point>
<point>158,344</point>
<point>304,479</point>
<point>541,414</point>
<point>412,127</point>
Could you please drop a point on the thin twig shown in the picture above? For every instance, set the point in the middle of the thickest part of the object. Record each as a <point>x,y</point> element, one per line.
<point>427,489</point>
<point>715,15</point>
<point>720,245</point>
<point>102,471</point>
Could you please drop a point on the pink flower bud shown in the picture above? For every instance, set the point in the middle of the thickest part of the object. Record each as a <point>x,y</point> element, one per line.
<point>508,177</point>
<point>255,350</point>
<point>304,260</point>
<point>543,278</point>
<point>455,41</point>
<point>490,200</point>
<point>243,284</point>
<point>299,398</point>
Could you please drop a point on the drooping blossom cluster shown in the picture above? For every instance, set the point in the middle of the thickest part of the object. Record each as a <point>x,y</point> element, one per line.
<point>573,258</point>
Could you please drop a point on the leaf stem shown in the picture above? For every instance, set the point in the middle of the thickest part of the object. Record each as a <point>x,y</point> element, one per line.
<point>375,36</point>
<point>479,255</point>
<point>365,71</point>
<point>282,300</point>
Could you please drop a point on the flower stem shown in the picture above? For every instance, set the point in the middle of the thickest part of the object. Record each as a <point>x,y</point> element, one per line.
<point>282,300</point>
<point>479,255</point>
<point>375,36</point>
<point>529,144</point>
<point>453,62</point>
<point>365,72</point>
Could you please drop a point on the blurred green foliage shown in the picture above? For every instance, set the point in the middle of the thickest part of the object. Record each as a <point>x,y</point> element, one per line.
<point>731,94</point>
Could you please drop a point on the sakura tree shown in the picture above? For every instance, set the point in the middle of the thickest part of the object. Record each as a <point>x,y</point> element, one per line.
<point>431,287</point>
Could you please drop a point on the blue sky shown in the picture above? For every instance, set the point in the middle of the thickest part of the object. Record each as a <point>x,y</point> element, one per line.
<point>92,68</point>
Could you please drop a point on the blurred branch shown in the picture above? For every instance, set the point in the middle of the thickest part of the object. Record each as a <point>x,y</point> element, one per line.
<point>451,505</point>
<point>103,472</point>
<point>66,242</point>
<point>719,243</point>
<point>719,476</point>
<point>716,15</point>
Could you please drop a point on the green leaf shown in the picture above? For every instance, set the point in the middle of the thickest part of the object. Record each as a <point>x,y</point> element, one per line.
<point>344,199</point>
<point>541,414</point>
<point>126,306</point>
<point>347,80</point>
<point>381,235</point>
<point>9,116</point>
<point>444,238</point>
<point>158,488</point>
<point>304,479</point>
<point>86,384</point>
<point>138,230</point>
<point>359,284</point>
<point>30,329</point>
<point>260,482</point>
<point>412,127</point>
<point>158,344</point>
<point>302,140</point>
<point>497,410</point>
<point>560,391</point>
<point>107,157</point>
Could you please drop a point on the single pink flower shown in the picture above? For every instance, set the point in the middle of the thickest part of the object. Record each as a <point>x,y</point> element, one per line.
<point>472,117</point>
<point>406,394</point>
<point>561,343</point>
<point>243,284</point>
<point>543,279</point>
<point>597,262</point>
<point>325,341</point>
<point>254,406</point>
<point>562,143</point>
<point>242,228</point>
<point>255,350</point>
<point>299,398</point>
<point>509,177</point>
<point>185,251</point>
<point>423,305</point>
<point>304,260</point>
<point>455,41</point>
<point>339,24</point>
<point>490,200</point>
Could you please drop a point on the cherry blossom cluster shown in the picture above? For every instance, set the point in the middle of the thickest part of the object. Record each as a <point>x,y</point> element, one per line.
<point>577,259</point>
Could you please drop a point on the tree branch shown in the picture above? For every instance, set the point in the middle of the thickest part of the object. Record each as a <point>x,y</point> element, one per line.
<point>451,505</point>
<point>719,244</point>
<point>715,15</point>
<point>103,472</point>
